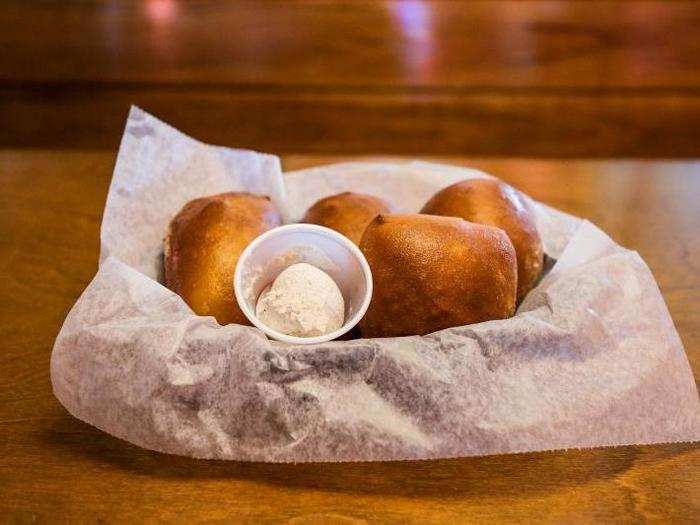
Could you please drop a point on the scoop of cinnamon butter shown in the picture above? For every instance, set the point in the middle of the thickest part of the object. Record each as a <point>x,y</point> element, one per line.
<point>303,301</point>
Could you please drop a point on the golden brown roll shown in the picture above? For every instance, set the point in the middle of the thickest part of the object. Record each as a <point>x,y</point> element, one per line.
<point>434,272</point>
<point>203,244</point>
<point>492,202</point>
<point>347,213</point>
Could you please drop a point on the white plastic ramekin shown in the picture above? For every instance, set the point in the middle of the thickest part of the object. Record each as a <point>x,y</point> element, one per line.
<point>275,250</point>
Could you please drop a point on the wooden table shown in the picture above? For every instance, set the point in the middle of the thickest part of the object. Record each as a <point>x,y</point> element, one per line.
<point>54,468</point>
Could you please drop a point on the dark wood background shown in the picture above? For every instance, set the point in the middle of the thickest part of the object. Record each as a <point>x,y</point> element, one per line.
<point>551,78</point>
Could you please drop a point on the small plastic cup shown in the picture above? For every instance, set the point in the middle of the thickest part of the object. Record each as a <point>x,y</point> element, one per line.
<point>277,249</point>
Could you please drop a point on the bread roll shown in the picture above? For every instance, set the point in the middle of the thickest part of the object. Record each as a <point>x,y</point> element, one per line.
<point>202,247</point>
<point>347,213</point>
<point>434,272</point>
<point>492,202</point>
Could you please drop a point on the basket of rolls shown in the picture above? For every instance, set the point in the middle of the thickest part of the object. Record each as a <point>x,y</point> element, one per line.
<point>360,311</point>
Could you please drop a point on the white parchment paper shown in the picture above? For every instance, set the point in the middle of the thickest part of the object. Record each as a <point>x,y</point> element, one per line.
<point>591,359</point>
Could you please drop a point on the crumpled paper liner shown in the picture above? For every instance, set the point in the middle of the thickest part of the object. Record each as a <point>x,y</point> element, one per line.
<point>591,359</point>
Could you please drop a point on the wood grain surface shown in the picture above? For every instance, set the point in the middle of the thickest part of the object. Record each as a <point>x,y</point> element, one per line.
<point>56,469</point>
<point>545,78</point>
